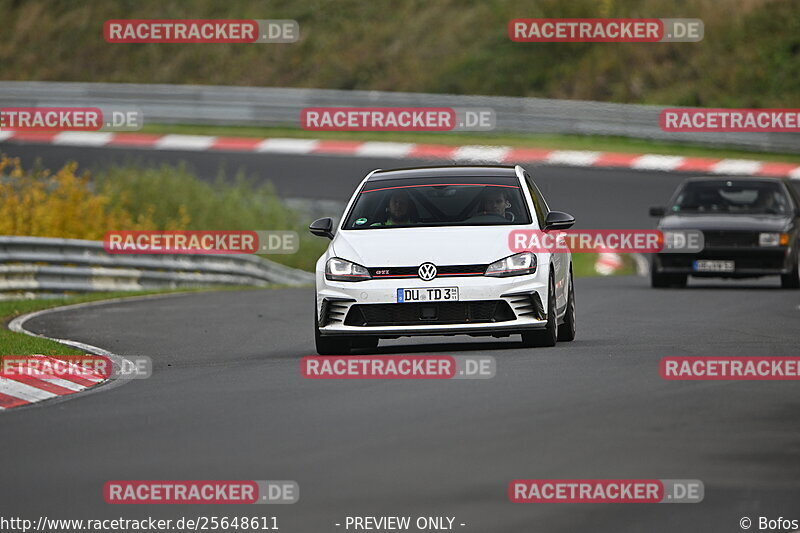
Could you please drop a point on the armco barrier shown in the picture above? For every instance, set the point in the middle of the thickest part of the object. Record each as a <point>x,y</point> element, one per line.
<point>40,264</point>
<point>269,106</point>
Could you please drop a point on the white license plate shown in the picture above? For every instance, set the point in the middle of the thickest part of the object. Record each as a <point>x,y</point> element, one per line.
<point>704,265</point>
<point>434,294</point>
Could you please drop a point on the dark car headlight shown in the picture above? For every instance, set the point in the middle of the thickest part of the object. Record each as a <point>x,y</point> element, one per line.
<point>341,270</point>
<point>513,265</point>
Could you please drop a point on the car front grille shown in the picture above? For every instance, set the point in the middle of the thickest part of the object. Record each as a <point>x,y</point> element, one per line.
<point>730,239</point>
<point>441,271</point>
<point>414,314</point>
<point>744,259</point>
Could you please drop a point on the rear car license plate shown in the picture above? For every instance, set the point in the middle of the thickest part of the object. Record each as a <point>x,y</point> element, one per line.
<point>704,265</point>
<point>434,294</point>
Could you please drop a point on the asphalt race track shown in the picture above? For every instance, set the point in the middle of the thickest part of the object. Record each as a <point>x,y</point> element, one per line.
<point>227,401</point>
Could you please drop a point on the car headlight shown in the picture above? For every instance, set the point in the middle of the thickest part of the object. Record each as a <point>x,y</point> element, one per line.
<point>340,270</point>
<point>513,265</point>
<point>773,239</point>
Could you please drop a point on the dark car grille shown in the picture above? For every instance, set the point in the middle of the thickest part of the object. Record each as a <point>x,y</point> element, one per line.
<point>730,239</point>
<point>756,259</point>
<point>408,314</point>
<point>411,272</point>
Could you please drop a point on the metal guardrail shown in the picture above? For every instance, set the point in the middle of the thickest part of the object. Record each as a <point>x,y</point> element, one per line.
<point>40,264</point>
<point>264,106</point>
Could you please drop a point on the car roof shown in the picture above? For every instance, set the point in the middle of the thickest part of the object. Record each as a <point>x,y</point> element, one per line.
<point>445,171</point>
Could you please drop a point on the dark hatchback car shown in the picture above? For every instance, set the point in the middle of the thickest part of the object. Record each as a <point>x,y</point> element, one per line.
<point>749,225</point>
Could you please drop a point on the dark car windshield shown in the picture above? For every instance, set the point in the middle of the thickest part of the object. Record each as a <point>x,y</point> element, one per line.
<point>438,202</point>
<point>733,197</point>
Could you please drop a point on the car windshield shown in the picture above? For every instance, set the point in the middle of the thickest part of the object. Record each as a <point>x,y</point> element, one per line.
<point>438,202</point>
<point>733,197</point>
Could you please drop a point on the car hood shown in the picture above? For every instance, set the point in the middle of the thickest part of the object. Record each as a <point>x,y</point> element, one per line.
<point>390,247</point>
<point>725,222</point>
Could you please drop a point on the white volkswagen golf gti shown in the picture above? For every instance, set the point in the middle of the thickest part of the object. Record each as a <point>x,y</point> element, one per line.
<point>425,251</point>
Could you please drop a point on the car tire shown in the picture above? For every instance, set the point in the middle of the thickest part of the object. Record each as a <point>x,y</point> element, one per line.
<point>542,338</point>
<point>566,331</point>
<point>658,280</point>
<point>329,345</point>
<point>792,279</point>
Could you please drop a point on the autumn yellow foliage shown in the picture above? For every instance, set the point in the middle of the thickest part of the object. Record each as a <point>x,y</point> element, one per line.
<point>38,203</point>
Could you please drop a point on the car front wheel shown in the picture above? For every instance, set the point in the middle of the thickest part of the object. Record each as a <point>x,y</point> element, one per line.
<point>566,331</point>
<point>792,279</point>
<point>329,345</point>
<point>540,338</point>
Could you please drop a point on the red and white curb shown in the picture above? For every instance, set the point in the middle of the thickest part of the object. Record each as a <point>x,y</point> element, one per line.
<point>23,392</point>
<point>460,154</point>
<point>607,263</point>
<point>20,391</point>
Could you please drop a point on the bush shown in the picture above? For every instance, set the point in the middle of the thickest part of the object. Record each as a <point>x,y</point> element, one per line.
<point>68,205</point>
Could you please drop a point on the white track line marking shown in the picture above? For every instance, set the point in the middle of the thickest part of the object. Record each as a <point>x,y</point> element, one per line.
<point>185,142</point>
<point>384,149</point>
<point>63,383</point>
<point>496,154</point>
<point>657,162</point>
<point>23,391</point>
<point>83,138</point>
<point>287,146</point>
<point>795,174</point>
<point>736,166</point>
<point>572,157</point>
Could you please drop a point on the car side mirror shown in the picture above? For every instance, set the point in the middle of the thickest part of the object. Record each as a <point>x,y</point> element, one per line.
<point>657,211</point>
<point>322,227</point>
<point>558,220</point>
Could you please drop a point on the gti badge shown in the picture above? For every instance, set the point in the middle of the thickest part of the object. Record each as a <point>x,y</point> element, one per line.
<point>427,271</point>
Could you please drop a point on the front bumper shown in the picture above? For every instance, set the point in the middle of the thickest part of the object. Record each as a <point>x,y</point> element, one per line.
<point>486,306</point>
<point>748,262</point>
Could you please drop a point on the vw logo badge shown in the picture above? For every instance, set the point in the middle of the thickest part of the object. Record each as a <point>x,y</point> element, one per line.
<point>427,271</point>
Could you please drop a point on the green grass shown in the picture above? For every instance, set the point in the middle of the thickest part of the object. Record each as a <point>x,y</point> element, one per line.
<point>583,265</point>
<point>748,57</point>
<point>555,142</point>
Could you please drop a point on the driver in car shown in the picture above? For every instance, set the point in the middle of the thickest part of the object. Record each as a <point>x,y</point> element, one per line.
<point>399,210</point>
<point>494,202</point>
